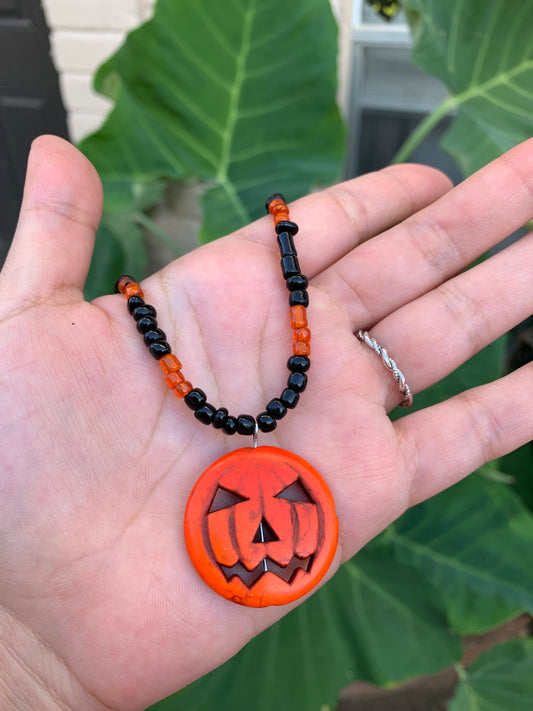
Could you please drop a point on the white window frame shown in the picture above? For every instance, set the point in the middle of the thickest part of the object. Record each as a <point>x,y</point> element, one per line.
<point>371,87</point>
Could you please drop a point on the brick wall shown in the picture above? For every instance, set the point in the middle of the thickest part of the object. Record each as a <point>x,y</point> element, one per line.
<point>84,34</point>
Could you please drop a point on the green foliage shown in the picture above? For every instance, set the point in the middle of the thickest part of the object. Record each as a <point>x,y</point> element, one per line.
<point>388,9</point>
<point>223,94</point>
<point>520,464</point>
<point>119,247</point>
<point>499,680</point>
<point>482,51</point>
<point>353,628</point>
<point>471,542</point>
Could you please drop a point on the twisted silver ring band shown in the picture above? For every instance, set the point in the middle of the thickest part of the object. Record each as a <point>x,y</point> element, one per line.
<point>405,390</point>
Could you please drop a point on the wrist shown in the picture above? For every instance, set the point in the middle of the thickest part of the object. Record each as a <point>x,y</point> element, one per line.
<point>32,676</point>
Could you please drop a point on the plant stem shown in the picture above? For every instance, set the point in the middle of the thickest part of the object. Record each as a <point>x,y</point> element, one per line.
<point>461,672</point>
<point>423,129</point>
<point>154,228</point>
<point>492,473</point>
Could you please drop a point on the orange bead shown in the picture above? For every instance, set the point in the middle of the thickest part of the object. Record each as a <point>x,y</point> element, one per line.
<point>276,204</point>
<point>301,348</point>
<point>279,217</point>
<point>133,289</point>
<point>298,316</point>
<point>174,379</point>
<point>183,388</point>
<point>280,210</point>
<point>302,334</point>
<point>129,287</point>
<point>123,283</point>
<point>170,364</point>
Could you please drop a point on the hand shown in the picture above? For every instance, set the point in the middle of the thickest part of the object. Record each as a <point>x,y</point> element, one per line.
<point>100,606</point>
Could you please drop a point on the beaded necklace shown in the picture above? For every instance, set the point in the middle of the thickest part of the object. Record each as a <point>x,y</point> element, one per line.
<point>260,524</point>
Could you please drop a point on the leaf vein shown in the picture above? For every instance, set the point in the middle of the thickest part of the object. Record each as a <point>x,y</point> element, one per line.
<point>485,44</point>
<point>457,565</point>
<point>453,37</point>
<point>207,22</point>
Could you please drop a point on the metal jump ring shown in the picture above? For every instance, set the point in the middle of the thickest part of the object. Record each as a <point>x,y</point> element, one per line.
<point>405,390</point>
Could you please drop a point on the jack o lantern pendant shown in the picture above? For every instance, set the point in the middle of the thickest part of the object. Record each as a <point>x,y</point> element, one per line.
<point>260,523</point>
<point>260,526</point>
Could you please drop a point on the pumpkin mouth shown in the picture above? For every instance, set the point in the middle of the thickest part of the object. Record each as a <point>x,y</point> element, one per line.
<point>267,565</point>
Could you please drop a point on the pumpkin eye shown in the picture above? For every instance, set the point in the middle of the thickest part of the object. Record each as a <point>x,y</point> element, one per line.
<point>295,492</point>
<point>224,498</point>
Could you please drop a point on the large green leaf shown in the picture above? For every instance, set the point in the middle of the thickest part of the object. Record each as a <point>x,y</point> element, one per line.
<point>474,543</point>
<point>482,51</point>
<point>366,623</point>
<point>499,680</point>
<point>471,540</point>
<point>237,94</point>
<point>119,247</point>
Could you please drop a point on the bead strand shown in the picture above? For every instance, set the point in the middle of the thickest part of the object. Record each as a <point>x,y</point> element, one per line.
<point>296,284</point>
<point>298,364</point>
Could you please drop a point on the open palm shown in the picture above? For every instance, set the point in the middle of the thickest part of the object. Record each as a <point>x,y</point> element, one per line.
<point>97,457</point>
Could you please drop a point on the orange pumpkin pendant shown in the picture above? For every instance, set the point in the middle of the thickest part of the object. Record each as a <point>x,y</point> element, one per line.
<point>260,527</point>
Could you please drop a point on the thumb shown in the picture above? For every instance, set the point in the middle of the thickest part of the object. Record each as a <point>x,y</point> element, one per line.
<point>53,244</point>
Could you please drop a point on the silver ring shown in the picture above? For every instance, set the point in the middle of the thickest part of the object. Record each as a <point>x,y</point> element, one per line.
<point>405,390</point>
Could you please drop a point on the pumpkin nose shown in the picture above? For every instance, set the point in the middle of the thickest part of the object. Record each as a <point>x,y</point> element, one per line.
<point>264,533</point>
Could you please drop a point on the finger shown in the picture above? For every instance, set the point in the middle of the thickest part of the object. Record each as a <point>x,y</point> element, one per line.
<point>334,221</point>
<point>61,208</point>
<point>436,243</point>
<point>444,443</point>
<point>433,335</point>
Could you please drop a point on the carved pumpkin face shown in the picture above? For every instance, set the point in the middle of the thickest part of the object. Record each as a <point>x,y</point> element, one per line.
<point>260,527</point>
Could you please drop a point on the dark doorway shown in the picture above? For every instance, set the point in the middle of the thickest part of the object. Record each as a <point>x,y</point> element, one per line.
<point>30,103</point>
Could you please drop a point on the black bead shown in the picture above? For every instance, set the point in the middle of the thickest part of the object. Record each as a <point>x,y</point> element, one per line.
<point>159,349</point>
<point>195,399</point>
<point>299,298</point>
<point>205,413</point>
<point>298,364</point>
<point>154,335</point>
<point>231,425</point>
<point>276,196</point>
<point>146,324</point>
<point>276,408</point>
<point>245,424</point>
<point>297,282</point>
<point>123,276</point>
<point>297,382</point>
<point>287,226</point>
<point>266,422</point>
<point>286,245</point>
<point>289,398</point>
<point>289,266</point>
<point>135,301</point>
<point>142,311</point>
<point>220,418</point>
